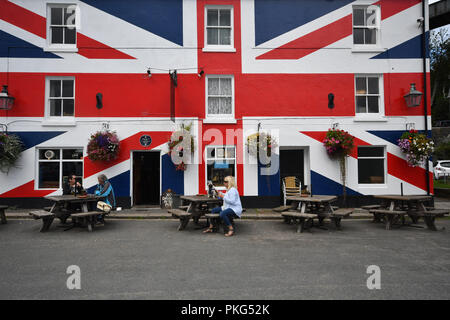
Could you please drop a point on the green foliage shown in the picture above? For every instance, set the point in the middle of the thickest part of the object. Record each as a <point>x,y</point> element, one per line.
<point>440,70</point>
<point>442,151</point>
<point>10,149</point>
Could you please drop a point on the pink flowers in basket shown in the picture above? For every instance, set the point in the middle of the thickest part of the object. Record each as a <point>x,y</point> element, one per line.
<point>338,143</point>
<point>103,146</point>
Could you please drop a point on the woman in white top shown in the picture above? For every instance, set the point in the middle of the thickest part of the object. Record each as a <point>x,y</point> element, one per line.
<point>231,206</point>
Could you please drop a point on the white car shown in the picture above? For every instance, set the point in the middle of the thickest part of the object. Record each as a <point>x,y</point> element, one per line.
<point>441,169</point>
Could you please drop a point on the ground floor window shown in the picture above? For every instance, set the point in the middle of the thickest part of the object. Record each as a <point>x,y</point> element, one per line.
<point>220,162</point>
<point>56,164</point>
<point>371,165</point>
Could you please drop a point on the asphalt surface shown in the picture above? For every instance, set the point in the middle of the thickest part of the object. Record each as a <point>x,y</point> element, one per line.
<point>150,259</point>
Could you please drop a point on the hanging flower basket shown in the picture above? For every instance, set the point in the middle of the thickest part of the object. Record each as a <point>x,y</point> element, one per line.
<point>416,146</point>
<point>103,146</point>
<point>181,142</point>
<point>10,149</point>
<point>263,141</point>
<point>339,143</point>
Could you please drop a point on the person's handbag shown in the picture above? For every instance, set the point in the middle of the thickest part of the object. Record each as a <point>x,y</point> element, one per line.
<point>103,206</point>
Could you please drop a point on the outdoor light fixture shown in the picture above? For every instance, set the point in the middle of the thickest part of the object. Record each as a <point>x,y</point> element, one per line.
<point>149,73</point>
<point>330,100</point>
<point>201,73</point>
<point>6,101</point>
<point>173,77</point>
<point>413,97</point>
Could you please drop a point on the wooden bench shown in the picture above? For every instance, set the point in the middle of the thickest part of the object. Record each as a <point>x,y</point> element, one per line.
<point>214,219</point>
<point>430,216</point>
<point>282,208</point>
<point>3,214</point>
<point>183,208</point>
<point>47,218</point>
<point>301,218</point>
<point>182,215</point>
<point>371,206</point>
<point>88,219</point>
<point>338,214</point>
<point>391,216</point>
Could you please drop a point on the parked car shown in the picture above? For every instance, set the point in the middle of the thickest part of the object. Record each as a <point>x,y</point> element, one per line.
<point>442,168</point>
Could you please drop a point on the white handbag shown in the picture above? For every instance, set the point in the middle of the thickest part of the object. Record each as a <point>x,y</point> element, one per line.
<point>104,206</point>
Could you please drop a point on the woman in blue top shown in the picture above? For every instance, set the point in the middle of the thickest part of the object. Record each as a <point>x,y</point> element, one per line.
<point>105,189</point>
<point>231,206</point>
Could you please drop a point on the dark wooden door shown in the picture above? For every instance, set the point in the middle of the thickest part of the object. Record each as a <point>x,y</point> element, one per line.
<point>146,178</point>
<point>292,164</point>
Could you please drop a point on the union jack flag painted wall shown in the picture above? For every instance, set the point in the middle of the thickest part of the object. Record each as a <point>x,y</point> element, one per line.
<point>280,60</point>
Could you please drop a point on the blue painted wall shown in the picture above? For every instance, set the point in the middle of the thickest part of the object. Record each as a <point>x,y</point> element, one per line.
<point>411,49</point>
<point>33,138</point>
<point>171,178</point>
<point>324,186</point>
<point>269,185</point>
<point>13,47</point>
<point>120,184</point>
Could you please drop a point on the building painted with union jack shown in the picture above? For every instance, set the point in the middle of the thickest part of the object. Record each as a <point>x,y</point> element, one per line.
<point>228,68</point>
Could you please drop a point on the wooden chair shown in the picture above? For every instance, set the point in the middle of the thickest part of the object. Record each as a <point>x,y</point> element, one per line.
<point>291,187</point>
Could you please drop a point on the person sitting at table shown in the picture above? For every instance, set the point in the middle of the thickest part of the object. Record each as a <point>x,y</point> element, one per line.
<point>72,186</point>
<point>231,206</point>
<point>106,191</point>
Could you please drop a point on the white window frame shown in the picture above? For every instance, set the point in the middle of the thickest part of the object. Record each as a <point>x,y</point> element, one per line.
<point>366,116</point>
<point>218,118</point>
<point>60,47</point>
<point>218,47</point>
<point>220,188</point>
<point>60,120</point>
<point>365,158</point>
<point>368,47</point>
<point>61,161</point>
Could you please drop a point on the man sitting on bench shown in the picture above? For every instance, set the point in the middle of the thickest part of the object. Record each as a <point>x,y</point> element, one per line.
<point>231,206</point>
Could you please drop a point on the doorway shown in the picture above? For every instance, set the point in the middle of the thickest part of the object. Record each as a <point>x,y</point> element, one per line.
<point>146,178</point>
<point>292,164</point>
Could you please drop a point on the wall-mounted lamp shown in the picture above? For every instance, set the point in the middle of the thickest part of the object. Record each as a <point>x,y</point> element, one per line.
<point>149,72</point>
<point>410,126</point>
<point>414,97</point>
<point>335,125</point>
<point>330,100</point>
<point>173,77</point>
<point>6,101</point>
<point>99,98</point>
<point>201,73</point>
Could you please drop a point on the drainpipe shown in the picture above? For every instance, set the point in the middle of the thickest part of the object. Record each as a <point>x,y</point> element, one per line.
<point>425,88</point>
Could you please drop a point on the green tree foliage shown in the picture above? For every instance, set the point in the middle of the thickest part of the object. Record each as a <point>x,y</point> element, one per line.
<point>440,72</point>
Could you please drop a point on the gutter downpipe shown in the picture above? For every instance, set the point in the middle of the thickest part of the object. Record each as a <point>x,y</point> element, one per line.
<point>425,88</point>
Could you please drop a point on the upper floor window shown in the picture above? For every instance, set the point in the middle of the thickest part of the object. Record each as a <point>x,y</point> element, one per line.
<point>366,25</point>
<point>219,28</point>
<point>61,28</point>
<point>220,96</point>
<point>368,94</point>
<point>60,97</point>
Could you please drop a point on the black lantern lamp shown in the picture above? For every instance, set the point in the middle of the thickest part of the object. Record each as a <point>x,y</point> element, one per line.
<point>6,101</point>
<point>413,97</point>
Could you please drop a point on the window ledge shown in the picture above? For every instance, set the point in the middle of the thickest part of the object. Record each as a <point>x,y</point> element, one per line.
<point>58,123</point>
<point>219,120</point>
<point>374,185</point>
<point>219,49</point>
<point>367,50</point>
<point>370,119</point>
<point>56,49</point>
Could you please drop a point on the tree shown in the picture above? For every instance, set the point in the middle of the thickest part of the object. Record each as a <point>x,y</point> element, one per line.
<point>440,73</point>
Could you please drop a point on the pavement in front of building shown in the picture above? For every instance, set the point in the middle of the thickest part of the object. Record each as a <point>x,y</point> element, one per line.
<point>150,259</point>
<point>158,213</point>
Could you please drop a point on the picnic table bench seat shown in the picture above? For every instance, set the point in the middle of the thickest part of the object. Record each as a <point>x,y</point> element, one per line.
<point>183,208</point>
<point>281,209</point>
<point>371,206</point>
<point>47,218</point>
<point>183,215</point>
<point>338,214</point>
<point>300,218</point>
<point>88,218</point>
<point>391,216</point>
<point>3,214</point>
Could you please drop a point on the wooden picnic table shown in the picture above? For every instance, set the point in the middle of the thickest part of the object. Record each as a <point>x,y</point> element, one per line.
<point>196,207</point>
<point>395,207</point>
<point>319,207</point>
<point>60,203</point>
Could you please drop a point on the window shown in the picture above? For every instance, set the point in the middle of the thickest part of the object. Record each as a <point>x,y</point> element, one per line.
<point>368,96</point>
<point>371,165</point>
<point>60,97</point>
<point>366,25</point>
<point>220,163</point>
<point>61,28</point>
<point>219,28</point>
<point>56,164</point>
<point>220,101</point>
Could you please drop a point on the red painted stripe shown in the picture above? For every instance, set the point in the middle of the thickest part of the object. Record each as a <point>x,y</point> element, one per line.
<point>23,18</point>
<point>26,191</point>
<point>36,24</point>
<point>93,49</point>
<point>331,33</point>
<point>396,166</point>
<point>313,41</point>
<point>126,146</point>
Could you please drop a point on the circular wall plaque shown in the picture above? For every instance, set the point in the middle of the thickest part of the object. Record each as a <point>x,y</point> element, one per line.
<point>145,140</point>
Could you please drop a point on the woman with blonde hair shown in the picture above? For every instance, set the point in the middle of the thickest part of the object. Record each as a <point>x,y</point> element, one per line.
<point>231,206</point>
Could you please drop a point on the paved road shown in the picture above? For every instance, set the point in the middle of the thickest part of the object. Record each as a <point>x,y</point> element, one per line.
<point>149,259</point>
